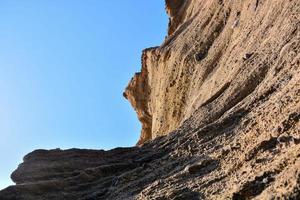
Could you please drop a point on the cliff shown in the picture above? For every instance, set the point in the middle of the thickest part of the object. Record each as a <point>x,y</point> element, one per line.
<point>219,103</point>
<point>217,55</point>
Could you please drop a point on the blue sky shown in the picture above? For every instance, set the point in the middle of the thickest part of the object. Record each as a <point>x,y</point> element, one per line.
<point>63,67</point>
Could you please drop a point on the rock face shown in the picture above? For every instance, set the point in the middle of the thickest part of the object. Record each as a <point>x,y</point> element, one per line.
<point>217,55</point>
<point>219,103</point>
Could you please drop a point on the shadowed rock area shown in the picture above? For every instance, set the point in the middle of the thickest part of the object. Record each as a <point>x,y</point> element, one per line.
<point>219,103</point>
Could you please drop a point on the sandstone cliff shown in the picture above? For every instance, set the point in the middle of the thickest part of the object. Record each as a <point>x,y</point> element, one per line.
<point>202,70</point>
<point>219,103</point>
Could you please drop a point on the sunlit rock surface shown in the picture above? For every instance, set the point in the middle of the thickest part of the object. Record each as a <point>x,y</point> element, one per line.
<point>219,103</point>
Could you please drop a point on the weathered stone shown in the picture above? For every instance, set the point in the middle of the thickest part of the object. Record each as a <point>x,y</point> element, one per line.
<point>243,114</point>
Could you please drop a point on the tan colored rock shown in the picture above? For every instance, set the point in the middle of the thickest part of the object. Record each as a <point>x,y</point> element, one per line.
<point>205,67</point>
<point>219,103</point>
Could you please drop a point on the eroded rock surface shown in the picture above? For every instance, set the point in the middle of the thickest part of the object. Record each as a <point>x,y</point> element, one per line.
<point>219,103</point>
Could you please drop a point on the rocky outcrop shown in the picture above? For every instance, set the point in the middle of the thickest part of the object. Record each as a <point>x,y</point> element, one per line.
<point>219,103</point>
<point>217,55</point>
<point>138,93</point>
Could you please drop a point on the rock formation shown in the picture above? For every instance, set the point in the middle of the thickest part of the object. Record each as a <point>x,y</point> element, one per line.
<point>219,103</point>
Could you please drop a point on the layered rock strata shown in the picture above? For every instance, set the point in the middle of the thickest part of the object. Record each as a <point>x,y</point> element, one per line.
<point>217,54</point>
<point>219,103</point>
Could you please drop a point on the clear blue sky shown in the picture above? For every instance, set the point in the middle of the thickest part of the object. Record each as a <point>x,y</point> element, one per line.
<point>63,67</point>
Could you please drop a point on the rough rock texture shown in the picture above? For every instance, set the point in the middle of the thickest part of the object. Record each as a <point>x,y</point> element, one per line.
<point>219,103</point>
<point>218,55</point>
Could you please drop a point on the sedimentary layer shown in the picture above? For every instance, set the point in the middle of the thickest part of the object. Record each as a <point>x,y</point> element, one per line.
<point>219,103</point>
